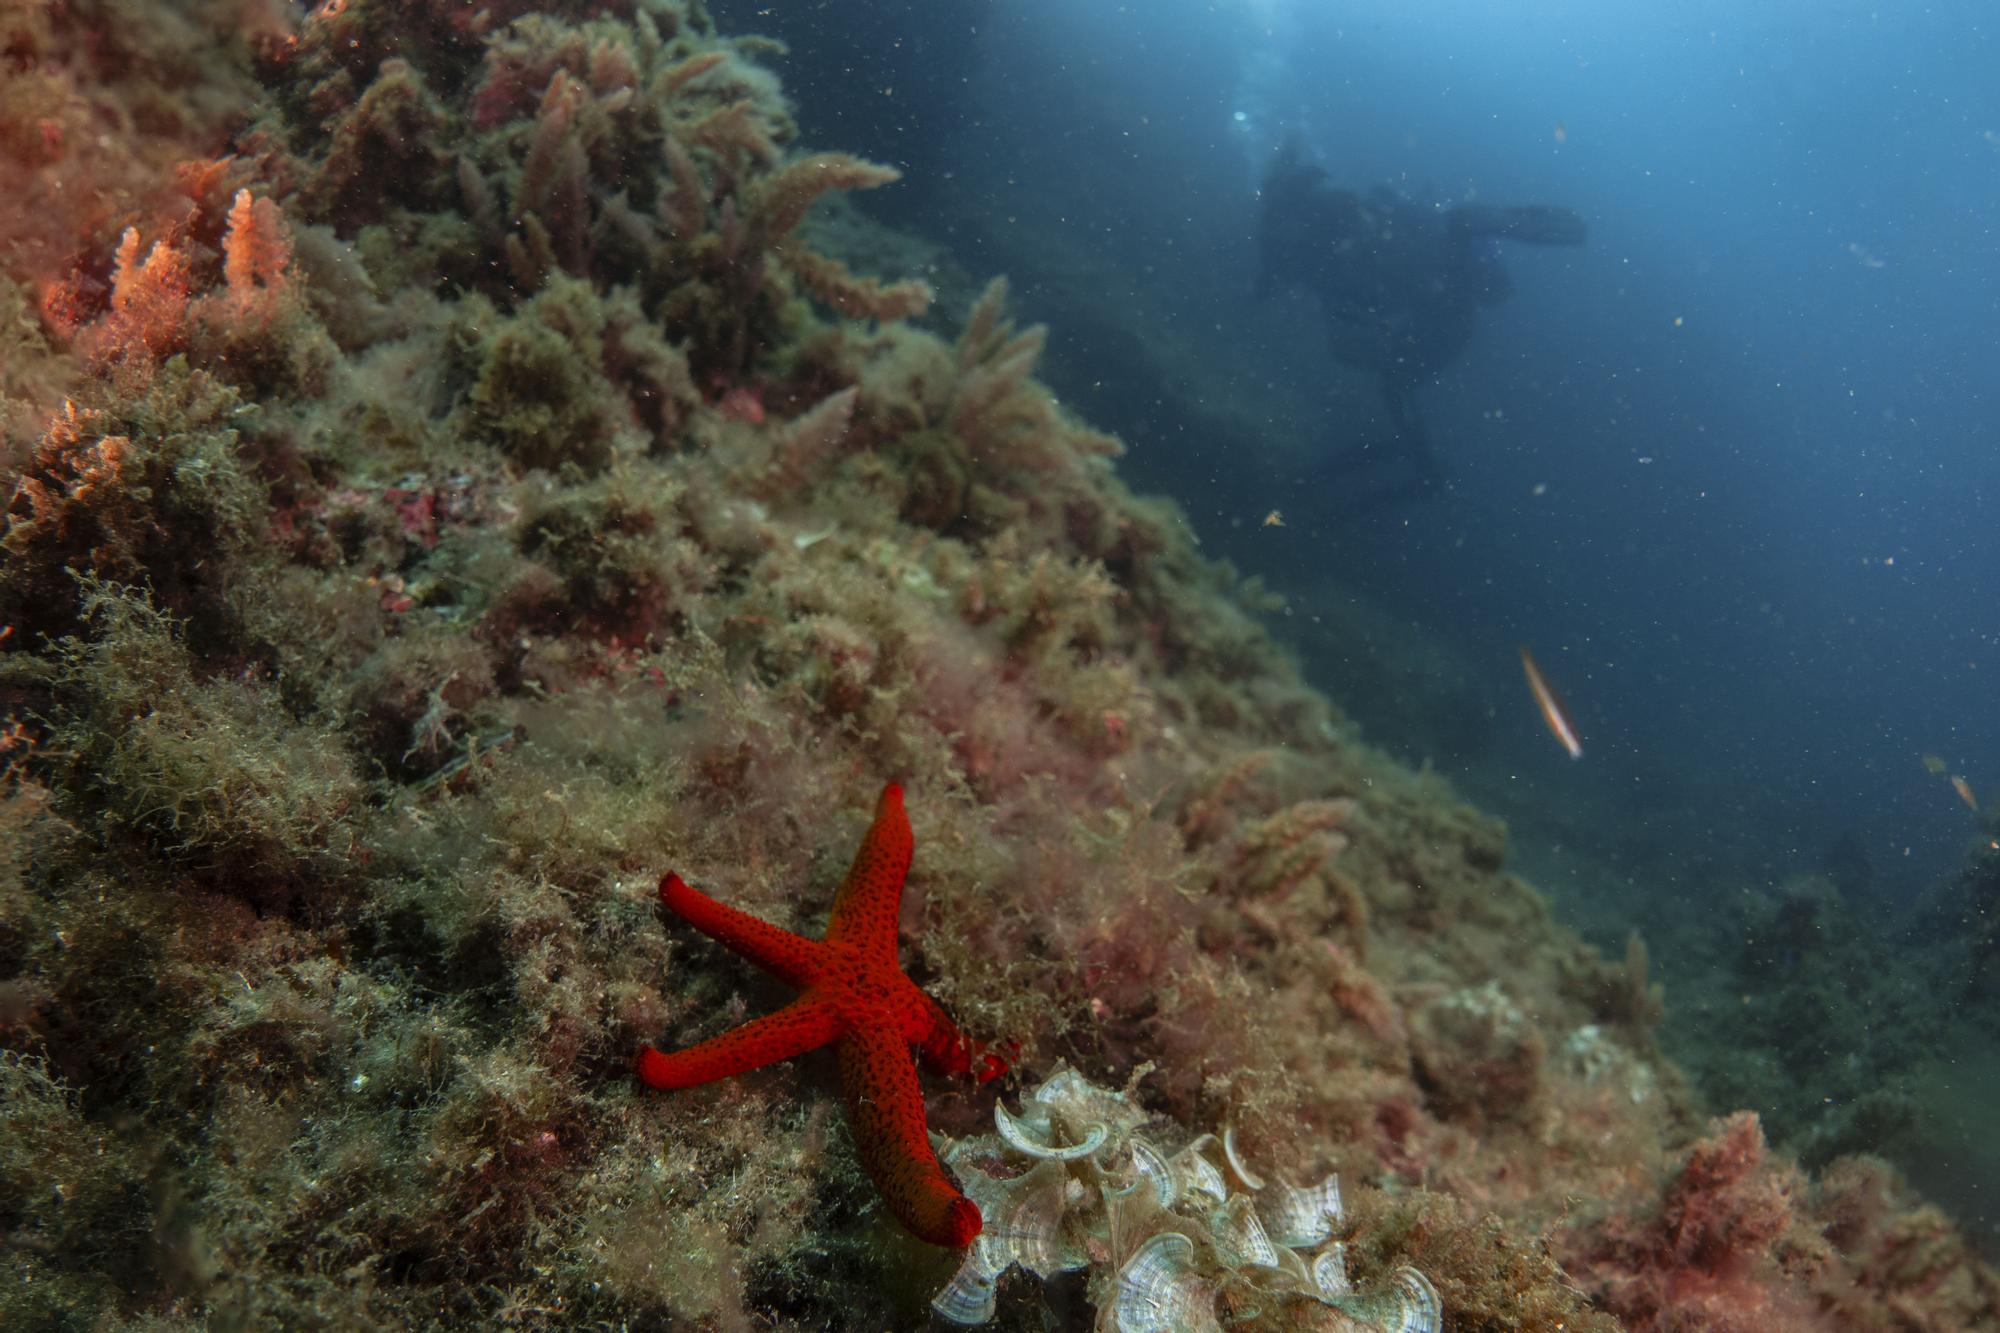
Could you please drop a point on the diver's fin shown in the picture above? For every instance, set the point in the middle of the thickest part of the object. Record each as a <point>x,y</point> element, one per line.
<point>1534,224</point>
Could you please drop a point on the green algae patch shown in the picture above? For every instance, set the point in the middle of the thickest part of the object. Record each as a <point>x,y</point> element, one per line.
<point>211,774</point>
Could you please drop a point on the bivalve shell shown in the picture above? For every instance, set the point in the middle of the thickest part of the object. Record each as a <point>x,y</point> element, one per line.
<point>1420,1310</point>
<point>1029,1138</point>
<point>1024,1223</point>
<point>1239,1235</point>
<point>968,1299</point>
<point>1250,1179</point>
<point>1159,1292</point>
<point>1148,1165</point>
<point>1409,1305</point>
<point>1197,1175</point>
<point>1178,1243</point>
<point>1329,1272</point>
<point>1302,1218</point>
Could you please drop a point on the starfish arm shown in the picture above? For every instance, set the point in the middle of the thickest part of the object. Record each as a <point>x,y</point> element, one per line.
<point>946,1050</point>
<point>803,1025</point>
<point>867,910</point>
<point>793,959</point>
<point>885,1109</point>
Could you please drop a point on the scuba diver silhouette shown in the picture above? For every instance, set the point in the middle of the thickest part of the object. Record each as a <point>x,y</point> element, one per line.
<point>1399,284</point>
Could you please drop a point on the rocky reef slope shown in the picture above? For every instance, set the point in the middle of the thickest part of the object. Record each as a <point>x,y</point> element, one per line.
<point>452,482</point>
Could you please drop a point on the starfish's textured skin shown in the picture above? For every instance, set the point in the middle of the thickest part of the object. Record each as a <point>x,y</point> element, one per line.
<point>855,996</point>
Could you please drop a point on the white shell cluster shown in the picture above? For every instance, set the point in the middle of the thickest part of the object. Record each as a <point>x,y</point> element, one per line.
<point>1595,1057</point>
<point>1072,1183</point>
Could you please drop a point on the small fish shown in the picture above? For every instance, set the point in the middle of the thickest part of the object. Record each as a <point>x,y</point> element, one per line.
<point>1552,708</point>
<point>1934,764</point>
<point>1964,790</point>
<point>1274,519</point>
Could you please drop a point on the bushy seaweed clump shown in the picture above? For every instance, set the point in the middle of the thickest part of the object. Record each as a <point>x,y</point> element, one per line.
<point>477,495</point>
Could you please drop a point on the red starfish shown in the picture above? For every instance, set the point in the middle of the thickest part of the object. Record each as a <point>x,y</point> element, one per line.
<point>855,996</point>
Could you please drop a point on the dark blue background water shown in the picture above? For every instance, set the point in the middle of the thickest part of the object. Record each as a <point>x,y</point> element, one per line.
<point>1727,469</point>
